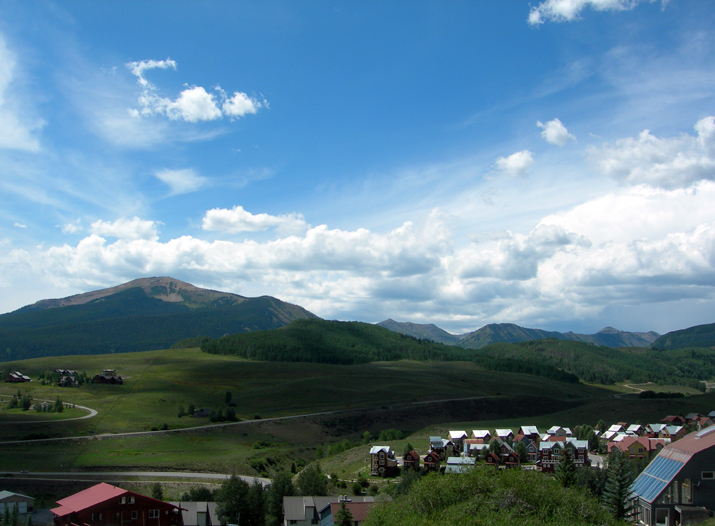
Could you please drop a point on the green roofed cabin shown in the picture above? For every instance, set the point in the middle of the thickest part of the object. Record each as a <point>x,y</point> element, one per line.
<point>678,486</point>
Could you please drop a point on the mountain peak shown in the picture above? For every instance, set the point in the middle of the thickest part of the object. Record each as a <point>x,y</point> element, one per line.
<point>164,288</point>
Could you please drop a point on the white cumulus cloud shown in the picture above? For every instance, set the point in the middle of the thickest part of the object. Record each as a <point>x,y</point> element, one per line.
<point>665,162</point>
<point>238,220</point>
<point>181,181</point>
<point>516,164</point>
<point>20,225</point>
<point>555,132</point>
<point>569,10</point>
<point>194,104</point>
<point>127,229</point>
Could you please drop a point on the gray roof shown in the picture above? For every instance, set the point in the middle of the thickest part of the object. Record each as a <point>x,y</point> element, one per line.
<point>459,464</point>
<point>190,511</point>
<point>5,494</point>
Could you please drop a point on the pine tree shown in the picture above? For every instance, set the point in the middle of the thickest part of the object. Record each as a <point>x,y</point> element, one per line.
<point>343,517</point>
<point>616,494</point>
<point>566,469</point>
<point>157,492</point>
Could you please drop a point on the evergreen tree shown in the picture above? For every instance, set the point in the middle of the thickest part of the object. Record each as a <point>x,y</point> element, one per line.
<point>566,469</point>
<point>343,517</point>
<point>408,448</point>
<point>157,491</point>
<point>616,494</point>
<point>282,486</point>
<point>29,520</point>
<point>15,517</point>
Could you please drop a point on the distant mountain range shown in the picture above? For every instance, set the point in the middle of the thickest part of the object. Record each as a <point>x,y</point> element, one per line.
<point>144,314</point>
<point>510,333</point>
<point>156,313</point>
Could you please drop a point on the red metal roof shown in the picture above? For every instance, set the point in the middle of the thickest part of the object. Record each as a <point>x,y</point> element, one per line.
<point>358,510</point>
<point>91,496</point>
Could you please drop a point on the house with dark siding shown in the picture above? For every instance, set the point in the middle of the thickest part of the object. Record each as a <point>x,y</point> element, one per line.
<point>678,486</point>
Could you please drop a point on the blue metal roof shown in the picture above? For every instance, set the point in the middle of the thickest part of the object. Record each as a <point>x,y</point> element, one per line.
<point>656,477</point>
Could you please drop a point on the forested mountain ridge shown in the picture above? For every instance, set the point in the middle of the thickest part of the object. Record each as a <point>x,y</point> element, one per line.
<point>511,333</point>
<point>698,336</point>
<point>151,313</point>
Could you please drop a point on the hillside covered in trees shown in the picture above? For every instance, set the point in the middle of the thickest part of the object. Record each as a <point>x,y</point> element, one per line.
<point>605,365</point>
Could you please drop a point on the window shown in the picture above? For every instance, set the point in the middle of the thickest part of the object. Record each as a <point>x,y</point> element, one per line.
<point>135,515</point>
<point>94,517</point>
<point>131,500</point>
<point>687,489</point>
<point>123,500</point>
<point>153,514</point>
<point>707,475</point>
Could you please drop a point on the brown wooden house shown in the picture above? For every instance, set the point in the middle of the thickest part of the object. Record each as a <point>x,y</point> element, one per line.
<point>411,460</point>
<point>107,505</point>
<point>431,461</point>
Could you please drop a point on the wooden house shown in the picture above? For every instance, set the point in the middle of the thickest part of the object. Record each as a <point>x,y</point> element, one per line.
<point>678,486</point>
<point>107,505</point>
<point>431,461</point>
<point>482,434</point>
<point>382,461</point>
<point>411,460</point>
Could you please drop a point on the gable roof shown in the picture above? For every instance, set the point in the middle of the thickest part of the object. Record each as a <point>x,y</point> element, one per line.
<point>456,435</point>
<point>529,430</point>
<point>504,433</point>
<point>358,510</point>
<point>86,499</point>
<point>480,433</point>
<point>412,454</point>
<point>5,494</point>
<point>671,459</point>
<point>374,450</point>
<point>97,494</point>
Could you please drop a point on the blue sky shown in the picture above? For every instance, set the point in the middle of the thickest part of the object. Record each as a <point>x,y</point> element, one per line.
<point>550,164</point>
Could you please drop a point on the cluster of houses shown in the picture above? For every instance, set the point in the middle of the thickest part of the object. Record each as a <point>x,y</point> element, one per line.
<point>16,377</point>
<point>460,451</point>
<point>544,450</point>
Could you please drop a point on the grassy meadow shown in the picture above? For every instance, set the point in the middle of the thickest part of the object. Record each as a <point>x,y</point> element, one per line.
<point>158,383</point>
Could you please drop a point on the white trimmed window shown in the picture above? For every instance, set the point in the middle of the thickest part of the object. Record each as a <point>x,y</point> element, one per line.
<point>153,514</point>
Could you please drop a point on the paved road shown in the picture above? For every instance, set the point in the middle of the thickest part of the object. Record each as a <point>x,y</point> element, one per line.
<point>91,413</point>
<point>75,475</point>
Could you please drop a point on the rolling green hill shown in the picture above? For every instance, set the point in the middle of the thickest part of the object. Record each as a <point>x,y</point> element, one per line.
<point>698,336</point>
<point>151,313</point>
<point>321,341</point>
